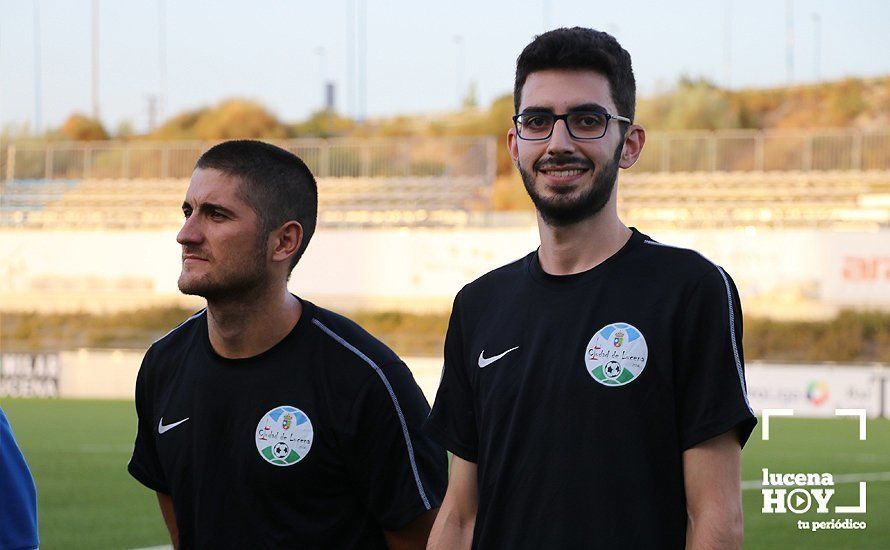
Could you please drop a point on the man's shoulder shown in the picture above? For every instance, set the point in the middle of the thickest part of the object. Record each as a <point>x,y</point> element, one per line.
<point>677,263</point>
<point>344,334</point>
<point>356,362</point>
<point>498,278</point>
<point>178,338</point>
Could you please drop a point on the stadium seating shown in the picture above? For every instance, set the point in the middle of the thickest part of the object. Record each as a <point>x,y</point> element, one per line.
<point>831,200</point>
<point>155,203</point>
<point>839,180</point>
<point>852,200</point>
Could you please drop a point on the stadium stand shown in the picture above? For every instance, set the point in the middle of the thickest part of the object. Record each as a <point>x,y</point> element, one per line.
<point>835,179</point>
<point>830,200</point>
<point>155,204</point>
<point>432,182</point>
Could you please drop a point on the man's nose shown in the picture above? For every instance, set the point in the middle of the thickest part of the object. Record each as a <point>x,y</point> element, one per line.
<point>561,141</point>
<point>190,232</point>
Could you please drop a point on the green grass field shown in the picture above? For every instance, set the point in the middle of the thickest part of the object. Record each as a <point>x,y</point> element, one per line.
<point>78,451</point>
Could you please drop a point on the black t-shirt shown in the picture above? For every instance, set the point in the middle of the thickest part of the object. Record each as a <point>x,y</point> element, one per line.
<point>315,443</point>
<point>576,395</point>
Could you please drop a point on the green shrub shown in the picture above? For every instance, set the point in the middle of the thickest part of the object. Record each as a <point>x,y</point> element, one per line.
<point>852,336</point>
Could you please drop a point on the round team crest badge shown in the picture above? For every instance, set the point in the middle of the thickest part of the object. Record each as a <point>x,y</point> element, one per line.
<point>284,436</point>
<point>616,355</point>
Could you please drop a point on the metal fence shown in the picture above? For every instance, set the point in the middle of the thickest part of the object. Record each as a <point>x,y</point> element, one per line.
<point>690,151</point>
<point>336,158</point>
<point>766,151</point>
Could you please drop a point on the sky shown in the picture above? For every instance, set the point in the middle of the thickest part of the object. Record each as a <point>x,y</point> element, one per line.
<point>420,57</point>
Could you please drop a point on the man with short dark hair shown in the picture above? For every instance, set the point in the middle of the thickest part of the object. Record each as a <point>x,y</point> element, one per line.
<point>593,392</point>
<point>266,421</point>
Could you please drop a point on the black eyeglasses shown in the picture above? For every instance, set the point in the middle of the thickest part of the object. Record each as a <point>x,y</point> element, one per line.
<point>535,126</point>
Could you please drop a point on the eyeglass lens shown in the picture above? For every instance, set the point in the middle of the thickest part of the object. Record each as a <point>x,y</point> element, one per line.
<point>581,125</point>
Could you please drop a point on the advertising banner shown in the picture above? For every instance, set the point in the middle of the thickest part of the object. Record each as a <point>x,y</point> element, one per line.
<point>816,390</point>
<point>29,375</point>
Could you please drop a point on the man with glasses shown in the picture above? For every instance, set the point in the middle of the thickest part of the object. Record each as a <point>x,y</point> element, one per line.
<point>593,392</point>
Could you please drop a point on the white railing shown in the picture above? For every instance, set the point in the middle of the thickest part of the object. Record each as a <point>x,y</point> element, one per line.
<point>766,151</point>
<point>337,158</point>
<point>665,152</point>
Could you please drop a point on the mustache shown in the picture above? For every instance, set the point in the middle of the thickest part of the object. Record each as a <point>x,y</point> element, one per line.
<point>551,163</point>
<point>195,252</point>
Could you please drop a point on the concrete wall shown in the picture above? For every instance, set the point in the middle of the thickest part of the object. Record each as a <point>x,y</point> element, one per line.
<point>803,273</point>
<point>111,374</point>
<point>813,390</point>
<point>816,390</point>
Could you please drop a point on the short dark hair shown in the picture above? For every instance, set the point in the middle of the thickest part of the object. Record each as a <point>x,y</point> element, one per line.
<point>582,49</point>
<point>276,184</point>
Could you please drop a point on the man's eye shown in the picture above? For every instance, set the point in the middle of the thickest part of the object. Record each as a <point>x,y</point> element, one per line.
<point>186,213</point>
<point>536,121</point>
<point>590,121</point>
<point>216,215</point>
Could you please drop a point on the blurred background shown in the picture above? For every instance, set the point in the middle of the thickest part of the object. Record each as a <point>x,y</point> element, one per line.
<point>768,150</point>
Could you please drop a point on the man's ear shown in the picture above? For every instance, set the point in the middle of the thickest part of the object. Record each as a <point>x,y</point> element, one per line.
<point>634,139</point>
<point>513,144</point>
<point>286,240</point>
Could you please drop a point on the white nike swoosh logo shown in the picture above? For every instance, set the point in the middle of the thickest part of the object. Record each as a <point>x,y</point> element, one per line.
<point>162,428</point>
<point>483,362</point>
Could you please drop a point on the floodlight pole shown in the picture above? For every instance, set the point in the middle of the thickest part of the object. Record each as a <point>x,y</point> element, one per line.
<point>38,93</point>
<point>162,58</point>
<point>350,58</point>
<point>789,40</point>
<point>817,45</point>
<point>363,58</point>
<point>321,52</point>
<point>459,41</point>
<point>727,44</point>
<point>95,65</point>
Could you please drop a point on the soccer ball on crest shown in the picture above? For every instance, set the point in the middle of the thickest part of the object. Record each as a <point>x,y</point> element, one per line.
<point>281,450</point>
<point>612,369</point>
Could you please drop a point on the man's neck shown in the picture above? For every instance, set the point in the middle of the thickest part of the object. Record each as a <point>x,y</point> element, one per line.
<point>583,245</point>
<point>239,329</point>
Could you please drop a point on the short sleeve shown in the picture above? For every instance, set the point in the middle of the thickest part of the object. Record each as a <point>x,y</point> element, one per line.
<point>453,418</point>
<point>144,465</point>
<point>18,508</point>
<point>399,471</point>
<point>711,391</point>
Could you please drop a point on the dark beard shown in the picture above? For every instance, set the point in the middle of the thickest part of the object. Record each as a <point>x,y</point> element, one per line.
<point>241,288</point>
<point>246,281</point>
<point>561,212</point>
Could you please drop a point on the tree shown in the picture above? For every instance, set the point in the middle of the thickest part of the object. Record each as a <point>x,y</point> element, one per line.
<point>79,127</point>
<point>232,119</point>
<point>237,118</point>
<point>695,104</point>
<point>181,126</point>
<point>322,124</point>
<point>124,130</point>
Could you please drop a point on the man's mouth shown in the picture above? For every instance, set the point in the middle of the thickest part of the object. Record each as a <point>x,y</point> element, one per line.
<point>563,172</point>
<point>193,257</point>
<point>563,175</point>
